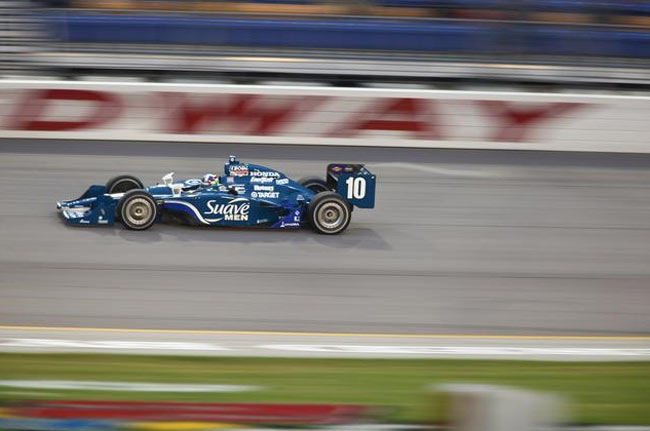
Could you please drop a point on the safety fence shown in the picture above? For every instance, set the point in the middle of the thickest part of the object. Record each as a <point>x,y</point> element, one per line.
<point>324,116</point>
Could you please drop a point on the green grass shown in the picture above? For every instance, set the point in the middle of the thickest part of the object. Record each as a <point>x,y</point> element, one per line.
<point>598,392</point>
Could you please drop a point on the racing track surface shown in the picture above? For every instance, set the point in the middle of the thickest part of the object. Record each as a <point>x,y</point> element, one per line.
<point>460,242</point>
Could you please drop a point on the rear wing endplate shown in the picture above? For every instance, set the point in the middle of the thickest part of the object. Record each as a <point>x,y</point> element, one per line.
<point>354,182</point>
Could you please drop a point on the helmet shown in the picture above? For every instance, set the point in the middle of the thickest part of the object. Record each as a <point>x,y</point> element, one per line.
<point>211,179</point>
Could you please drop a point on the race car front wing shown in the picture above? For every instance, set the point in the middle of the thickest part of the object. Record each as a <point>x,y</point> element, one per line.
<point>94,207</point>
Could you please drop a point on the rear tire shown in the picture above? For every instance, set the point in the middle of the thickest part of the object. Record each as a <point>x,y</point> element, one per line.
<point>329,213</point>
<point>122,184</point>
<point>314,184</point>
<point>137,210</point>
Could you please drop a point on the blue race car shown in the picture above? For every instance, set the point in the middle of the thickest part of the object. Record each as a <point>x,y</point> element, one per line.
<point>245,195</point>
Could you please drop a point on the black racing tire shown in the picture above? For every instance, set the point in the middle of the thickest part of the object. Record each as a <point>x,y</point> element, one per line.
<point>329,213</point>
<point>314,184</point>
<point>123,183</point>
<point>137,210</point>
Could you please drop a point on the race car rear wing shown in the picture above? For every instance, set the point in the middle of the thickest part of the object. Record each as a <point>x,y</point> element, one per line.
<point>354,182</point>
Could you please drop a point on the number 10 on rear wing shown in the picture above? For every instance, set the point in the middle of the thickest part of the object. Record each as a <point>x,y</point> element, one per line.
<point>354,182</point>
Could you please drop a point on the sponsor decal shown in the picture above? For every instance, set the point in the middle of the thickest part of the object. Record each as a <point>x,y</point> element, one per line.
<point>291,220</point>
<point>235,210</point>
<point>268,174</point>
<point>238,170</point>
<point>282,181</point>
<point>267,195</point>
<point>263,188</point>
<point>296,220</point>
<point>263,180</point>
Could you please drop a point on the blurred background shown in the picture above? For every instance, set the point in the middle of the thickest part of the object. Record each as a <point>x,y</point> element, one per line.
<point>340,42</point>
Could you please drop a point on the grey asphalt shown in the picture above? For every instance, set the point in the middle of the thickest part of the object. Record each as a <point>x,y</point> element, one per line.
<point>468,242</point>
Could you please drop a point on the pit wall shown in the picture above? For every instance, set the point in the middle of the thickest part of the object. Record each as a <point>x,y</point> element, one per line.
<point>324,116</point>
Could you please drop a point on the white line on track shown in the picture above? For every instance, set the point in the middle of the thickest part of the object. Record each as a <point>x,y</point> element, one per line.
<point>49,343</point>
<point>125,386</point>
<point>307,345</point>
<point>458,350</point>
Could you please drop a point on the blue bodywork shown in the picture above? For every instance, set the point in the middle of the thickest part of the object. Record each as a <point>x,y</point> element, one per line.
<point>245,195</point>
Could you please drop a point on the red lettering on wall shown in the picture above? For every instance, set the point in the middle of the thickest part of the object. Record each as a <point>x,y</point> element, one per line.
<point>515,124</point>
<point>30,112</point>
<point>413,116</point>
<point>242,113</point>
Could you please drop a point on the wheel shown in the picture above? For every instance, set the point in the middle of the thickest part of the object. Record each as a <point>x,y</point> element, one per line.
<point>314,184</point>
<point>329,213</point>
<point>123,183</point>
<point>137,210</point>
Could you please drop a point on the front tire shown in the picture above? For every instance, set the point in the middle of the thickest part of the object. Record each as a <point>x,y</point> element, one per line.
<point>137,210</point>
<point>123,183</point>
<point>329,213</point>
<point>314,184</point>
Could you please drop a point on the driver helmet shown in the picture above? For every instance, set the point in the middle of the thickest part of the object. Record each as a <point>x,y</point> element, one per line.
<point>211,179</point>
